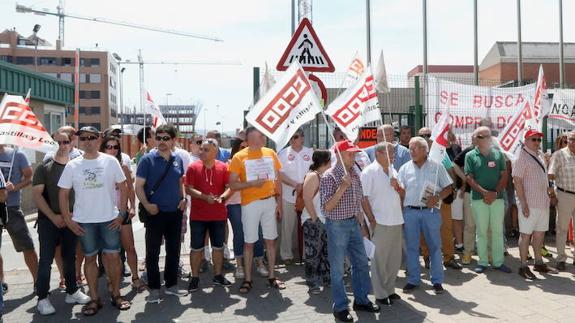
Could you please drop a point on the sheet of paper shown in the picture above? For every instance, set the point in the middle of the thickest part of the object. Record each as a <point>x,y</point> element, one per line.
<point>429,189</point>
<point>262,168</point>
<point>369,247</point>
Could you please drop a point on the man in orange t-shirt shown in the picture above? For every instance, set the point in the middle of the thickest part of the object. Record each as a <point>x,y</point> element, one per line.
<point>254,171</point>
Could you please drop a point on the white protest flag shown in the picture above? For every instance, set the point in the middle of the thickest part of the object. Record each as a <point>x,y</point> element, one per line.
<point>562,113</point>
<point>288,105</point>
<point>539,100</point>
<point>510,138</point>
<point>27,98</point>
<point>154,110</point>
<point>267,82</point>
<point>440,143</point>
<point>356,106</point>
<point>381,75</point>
<point>20,127</point>
<point>355,70</point>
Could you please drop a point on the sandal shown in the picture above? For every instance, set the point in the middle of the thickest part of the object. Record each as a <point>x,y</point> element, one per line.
<point>245,287</point>
<point>276,283</point>
<point>62,285</point>
<point>138,285</point>
<point>91,308</point>
<point>120,303</point>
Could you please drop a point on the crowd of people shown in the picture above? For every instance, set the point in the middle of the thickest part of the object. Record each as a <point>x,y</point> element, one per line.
<point>297,204</point>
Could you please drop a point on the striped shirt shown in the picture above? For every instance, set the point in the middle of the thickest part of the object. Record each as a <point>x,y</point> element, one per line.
<point>563,167</point>
<point>349,205</point>
<point>534,178</point>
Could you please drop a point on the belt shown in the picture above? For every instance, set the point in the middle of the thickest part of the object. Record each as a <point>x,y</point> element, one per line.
<point>417,207</point>
<point>566,191</point>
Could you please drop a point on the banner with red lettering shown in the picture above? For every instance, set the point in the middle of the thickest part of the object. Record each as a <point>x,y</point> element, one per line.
<point>20,127</point>
<point>288,105</point>
<point>440,143</point>
<point>562,112</point>
<point>356,106</point>
<point>471,105</point>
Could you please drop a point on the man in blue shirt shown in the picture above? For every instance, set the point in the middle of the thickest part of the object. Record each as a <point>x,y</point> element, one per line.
<point>385,133</point>
<point>223,153</point>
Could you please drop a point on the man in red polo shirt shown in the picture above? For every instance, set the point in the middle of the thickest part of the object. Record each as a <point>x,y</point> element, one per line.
<point>206,182</point>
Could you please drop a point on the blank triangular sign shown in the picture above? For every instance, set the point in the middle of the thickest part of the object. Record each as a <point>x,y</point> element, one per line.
<point>306,48</point>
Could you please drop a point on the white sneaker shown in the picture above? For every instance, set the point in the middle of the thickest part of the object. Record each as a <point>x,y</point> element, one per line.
<point>263,271</point>
<point>77,298</point>
<point>44,307</point>
<point>239,274</point>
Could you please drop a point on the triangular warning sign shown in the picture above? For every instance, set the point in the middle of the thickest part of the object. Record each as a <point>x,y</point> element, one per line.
<point>305,48</point>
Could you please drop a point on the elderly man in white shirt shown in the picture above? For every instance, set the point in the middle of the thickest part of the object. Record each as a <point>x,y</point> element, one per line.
<point>295,159</point>
<point>382,206</point>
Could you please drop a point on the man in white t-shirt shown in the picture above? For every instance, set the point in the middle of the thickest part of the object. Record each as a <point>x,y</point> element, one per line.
<point>96,219</point>
<point>296,159</point>
<point>382,205</point>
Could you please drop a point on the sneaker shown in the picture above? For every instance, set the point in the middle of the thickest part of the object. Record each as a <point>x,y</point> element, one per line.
<point>408,288</point>
<point>459,249</point>
<point>263,271</point>
<point>526,273</point>
<point>561,265</point>
<point>315,290</point>
<point>545,253</point>
<point>227,266</point>
<point>504,269</point>
<point>221,280</point>
<point>77,298</point>
<point>44,307</point>
<point>466,260</point>
<point>154,296</point>
<point>452,264</point>
<point>175,291</point>
<point>4,288</point>
<point>194,284</point>
<point>394,297</point>
<point>385,301</point>
<point>480,269</point>
<point>438,289</point>
<point>543,268</point>
<point>343,316</point>
<point>239,274</point>
<point>369,307</point>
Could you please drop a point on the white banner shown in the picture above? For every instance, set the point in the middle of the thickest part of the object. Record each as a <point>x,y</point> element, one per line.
<point>356,106</point>
<point>20,127</point>
<point>562,112</point>
<point>288,105</point>
<point>154,110</point>
<point>439,133</point>
<point>469,105</point>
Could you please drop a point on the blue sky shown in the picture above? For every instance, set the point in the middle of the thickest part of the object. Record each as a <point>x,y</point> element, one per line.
<point>256,31</point>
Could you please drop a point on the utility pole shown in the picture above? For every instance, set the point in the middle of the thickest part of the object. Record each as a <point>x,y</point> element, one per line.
<point>519,45</point>
<point>368,27</point>
<point>475,45</point>
<point>561,48</point>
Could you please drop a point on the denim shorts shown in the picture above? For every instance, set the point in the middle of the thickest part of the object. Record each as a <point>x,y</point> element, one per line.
<point>98,237</point>
<point>217,230</point>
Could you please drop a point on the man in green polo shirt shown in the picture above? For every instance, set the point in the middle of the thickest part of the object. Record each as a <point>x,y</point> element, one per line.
<point>487,177</point>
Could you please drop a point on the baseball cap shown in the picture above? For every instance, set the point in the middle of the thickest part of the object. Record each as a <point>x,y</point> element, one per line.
<point>532,133</point>
<point>346,145</point>
<point>89,129</point>
<point>112,131</point>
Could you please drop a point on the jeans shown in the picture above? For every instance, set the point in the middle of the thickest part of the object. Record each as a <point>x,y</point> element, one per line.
<point>49,236</point>
<point>166,225</point>
<point>235,217</point>
<point>344,238</point>
<point>489,217</point>
<point>98,237</point>
<point>428,222</point>
<point>217,232</point>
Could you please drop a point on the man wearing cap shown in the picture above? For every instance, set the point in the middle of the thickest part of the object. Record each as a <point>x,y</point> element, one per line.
<point>341,196</point>
<point>562,171</point>
<point>426,183</point>
<point>94,178</point>
<point>386,133</point>
<point>530,179</point>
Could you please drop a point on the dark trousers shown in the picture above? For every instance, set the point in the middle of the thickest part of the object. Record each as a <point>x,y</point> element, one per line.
<point>166,225</point>
<point>50,236</point>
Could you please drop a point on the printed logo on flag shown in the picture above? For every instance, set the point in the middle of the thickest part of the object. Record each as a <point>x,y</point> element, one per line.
<point>353,108</point>
<point>509,137</point>
<point>357,67</point>
<point>287,99</point>
<point>20,114</point>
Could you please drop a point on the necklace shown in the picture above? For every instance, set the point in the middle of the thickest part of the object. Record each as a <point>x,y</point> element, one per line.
<point>211,179</point>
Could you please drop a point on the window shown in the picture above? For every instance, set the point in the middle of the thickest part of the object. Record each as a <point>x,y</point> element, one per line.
<point>54,75</point>
<point>89,94</point>
<point>66,77</point>
<point>83,78</point>
<point>95,78</point>
<point>67,61</point>
<point>112,68</point>
<point>89,62</point>
<point>6,58</point>
<point>53,120</point>
<point>47,61</point>
<point>25,60</point>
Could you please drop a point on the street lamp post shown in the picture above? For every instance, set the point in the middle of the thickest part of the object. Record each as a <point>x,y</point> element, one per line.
<point>36,29</point>
<point>122,69</point>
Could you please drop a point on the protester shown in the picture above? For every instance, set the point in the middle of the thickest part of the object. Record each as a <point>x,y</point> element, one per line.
<point>295,160</point>
<point>405,136</point>
<point>531,183</point>
<point>316,266</point>
<point>223,154</point>
<point>487,176</point>
<point>74,152</point>
<point>159,187</point>
<point>146,138</point>
<point>52,230</point>
<point>195,147</point>
<point>386,133</point>
<point>382,205</point>
<point>341,196</point>
<point>255,173</point>
<point>207,183</point>
<point>94,177</point>
<point>3,196</point>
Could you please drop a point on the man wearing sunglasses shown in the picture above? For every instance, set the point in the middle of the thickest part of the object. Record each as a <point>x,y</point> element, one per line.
<point>96,219</point>
<point>74,152</point>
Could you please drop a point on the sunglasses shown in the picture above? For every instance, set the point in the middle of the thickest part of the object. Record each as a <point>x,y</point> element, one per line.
<point>426,136</point>
<point>199,142</point>
<point>163,138</point>
<point>64,142</point>
<point>113,147</point>
<point>483,137</point>
<point>88,138</point>
<point>536,139</point>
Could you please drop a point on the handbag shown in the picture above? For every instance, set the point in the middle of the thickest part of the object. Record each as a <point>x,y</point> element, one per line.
<point>143,214</point>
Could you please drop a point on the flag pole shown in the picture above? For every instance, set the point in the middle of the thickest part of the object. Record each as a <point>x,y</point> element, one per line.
<point>141,75</point>
<point>337,152</point>
<point>15,148</point>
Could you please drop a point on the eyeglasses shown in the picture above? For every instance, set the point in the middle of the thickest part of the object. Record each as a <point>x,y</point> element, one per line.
<point>482,136</point>
<point>63,142</point>
<point>426,135</point>
<point>113,147</point>
<point>536,139</point>
<point>163,138</point>
<point>88,138</point>
<point>199,142</point>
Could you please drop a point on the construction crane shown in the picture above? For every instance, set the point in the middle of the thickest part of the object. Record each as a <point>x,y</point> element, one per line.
<point>61,15</point>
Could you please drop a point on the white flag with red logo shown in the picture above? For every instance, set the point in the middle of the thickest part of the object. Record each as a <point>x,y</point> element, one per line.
<point>20,127</point>
<point>267,81</point>
<point>356,106</point>
<point>355,70</point>
<point>381,75</point>
<point>440,143</point>
<point>510,138</point>
<point>154,110</point>
<point>540,100</point>
<point>288,105</point>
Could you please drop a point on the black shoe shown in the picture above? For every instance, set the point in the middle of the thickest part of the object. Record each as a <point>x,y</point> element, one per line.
<point>459,249</point>
<point>438,289</point>
<point>526,273</point>
<point>194,284</point>
<point>426,261</point>
<point>394,297</point>
<point>408,288</point>
<point>561,265</point>
<point>4,288</point>
<point>452,264</point>
<point>369,307</point>
<point>343,316</point>
<point>221,280</point>
<point>385,301</point>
